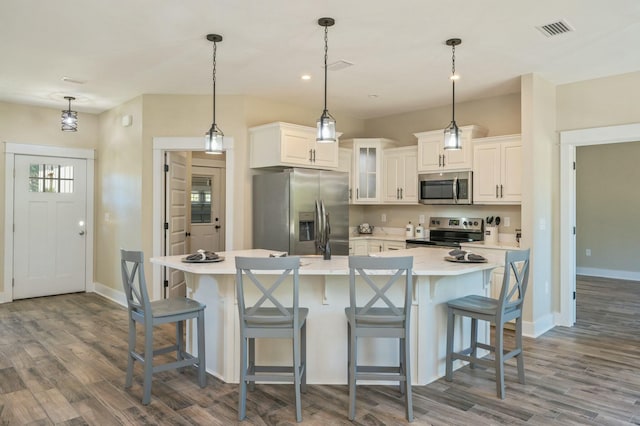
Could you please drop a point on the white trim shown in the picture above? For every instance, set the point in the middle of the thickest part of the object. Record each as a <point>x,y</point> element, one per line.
<point>49,151</point>
<point>112,294</point>
<point>609,273</point>
<point>569,140</point>
<point>160,145</point>
<point>13,149</point>
<point>539,327</point>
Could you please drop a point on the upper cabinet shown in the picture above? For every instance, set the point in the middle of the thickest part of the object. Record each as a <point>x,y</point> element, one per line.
<point>497,170</point>
<point>367,166</point>
<point>345,163</point>
<point>400,175</point>
<point>284,144</point>
<point>432,157</point>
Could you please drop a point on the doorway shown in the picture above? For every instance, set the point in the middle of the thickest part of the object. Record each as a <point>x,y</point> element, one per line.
<point>569,140</point>
<point>49,207</point>
<point>161,145</point>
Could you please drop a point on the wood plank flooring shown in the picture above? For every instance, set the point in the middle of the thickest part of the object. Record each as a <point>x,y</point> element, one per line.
<point>63,359</point>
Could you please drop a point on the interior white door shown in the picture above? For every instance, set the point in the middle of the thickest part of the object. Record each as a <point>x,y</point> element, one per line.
<point>176,219</point>
<point>50,226</point>
<point>207,208</point>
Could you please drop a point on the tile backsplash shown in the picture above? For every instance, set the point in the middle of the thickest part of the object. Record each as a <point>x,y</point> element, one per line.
<point>398,216</point>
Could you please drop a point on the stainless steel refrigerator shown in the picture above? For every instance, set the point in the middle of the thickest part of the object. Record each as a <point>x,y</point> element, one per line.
<point>296,209</point>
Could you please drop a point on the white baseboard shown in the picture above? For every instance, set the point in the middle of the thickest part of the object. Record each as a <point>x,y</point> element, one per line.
<point>609,273</point>
<point>538,327</point>
<point>111,294</point>
<point>5,297</point>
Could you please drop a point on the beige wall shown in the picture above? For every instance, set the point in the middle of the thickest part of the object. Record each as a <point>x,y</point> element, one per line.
<point>607,101</point>
<point>500,115</point>
<point>118,195</point>
<point>607,206</point>
<point>39,126</point>
<point>540,177</point>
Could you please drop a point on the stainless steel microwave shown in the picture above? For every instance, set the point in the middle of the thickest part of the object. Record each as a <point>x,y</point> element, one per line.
<point>446,188</point>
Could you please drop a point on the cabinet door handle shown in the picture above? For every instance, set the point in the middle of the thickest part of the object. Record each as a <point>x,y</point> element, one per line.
<point>401,195</point>
<point>496,191</point>
<point>314,155</point>
<point>311,156</point>
<point>443,160</point>
<point>397,193</point>
<point>350,193</point>
<point>357,193</point>
<point>501,195</point>
<point>439,160</point>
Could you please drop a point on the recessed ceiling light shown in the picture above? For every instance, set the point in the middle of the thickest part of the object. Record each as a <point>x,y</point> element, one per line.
<point>305,77</point>
<point>373,96</point>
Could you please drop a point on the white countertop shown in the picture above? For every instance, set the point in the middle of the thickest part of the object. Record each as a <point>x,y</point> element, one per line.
<point>426,261</point>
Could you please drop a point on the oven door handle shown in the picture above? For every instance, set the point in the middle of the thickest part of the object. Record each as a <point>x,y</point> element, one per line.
<point>455,189</point>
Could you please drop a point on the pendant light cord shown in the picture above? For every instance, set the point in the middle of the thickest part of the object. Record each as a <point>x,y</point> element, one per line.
<point>215,47</point>
<point>326,49</point>
<point>453,81</point>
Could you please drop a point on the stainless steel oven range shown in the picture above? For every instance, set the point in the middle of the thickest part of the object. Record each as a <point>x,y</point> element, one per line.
<point>450,232</point>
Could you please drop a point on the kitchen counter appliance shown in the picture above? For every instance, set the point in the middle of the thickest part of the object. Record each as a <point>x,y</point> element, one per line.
<point>298,210</point>
<point>445,188</point>
<point>450,232</point>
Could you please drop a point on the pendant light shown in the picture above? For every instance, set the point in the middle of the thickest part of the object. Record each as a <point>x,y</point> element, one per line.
<point>69,118</point>
<point>326,123</point>
<point>214,137</point>
<point>452,133</point>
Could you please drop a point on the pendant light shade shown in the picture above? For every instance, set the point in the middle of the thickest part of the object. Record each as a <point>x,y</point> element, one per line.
<point>214,137</point>
<point>69,118</point>
<point>452,133</point>
<point>326,123</point>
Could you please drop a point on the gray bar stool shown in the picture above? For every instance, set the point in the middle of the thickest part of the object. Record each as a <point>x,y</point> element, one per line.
<point>498,312</point>
<point>149,314</point>
<point>379,317</point>
<point>274,321</point>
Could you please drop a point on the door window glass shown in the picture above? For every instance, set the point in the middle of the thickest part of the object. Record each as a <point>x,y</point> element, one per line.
<point>200,199</point>
<point>50,178</point>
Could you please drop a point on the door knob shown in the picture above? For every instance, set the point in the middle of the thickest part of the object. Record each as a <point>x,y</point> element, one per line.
<point>81,232</point>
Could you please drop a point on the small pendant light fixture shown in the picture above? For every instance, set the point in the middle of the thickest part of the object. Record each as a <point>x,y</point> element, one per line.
<point>452,133</point>
<point>214,137</point>
<point>326,123</point>
<point>69,118</point>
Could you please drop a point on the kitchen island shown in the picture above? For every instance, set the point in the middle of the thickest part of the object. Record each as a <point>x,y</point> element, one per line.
<point>324,289</point>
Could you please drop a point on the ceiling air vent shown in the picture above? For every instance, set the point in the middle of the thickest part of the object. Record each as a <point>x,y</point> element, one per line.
<point>555,28</point>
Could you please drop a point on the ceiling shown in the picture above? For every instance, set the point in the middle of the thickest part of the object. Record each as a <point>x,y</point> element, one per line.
<point>120,49</point>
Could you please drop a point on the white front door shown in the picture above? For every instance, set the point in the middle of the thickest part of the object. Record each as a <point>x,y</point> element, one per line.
<point>176,219</point>
<point>207,209</point>
<point>50,226</point>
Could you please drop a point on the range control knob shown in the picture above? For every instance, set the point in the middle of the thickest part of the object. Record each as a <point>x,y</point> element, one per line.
<point>475,223</point>
<point>465,223</point>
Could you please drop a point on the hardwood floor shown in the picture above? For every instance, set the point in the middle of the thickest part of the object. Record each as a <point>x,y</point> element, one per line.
<point>63,359</point>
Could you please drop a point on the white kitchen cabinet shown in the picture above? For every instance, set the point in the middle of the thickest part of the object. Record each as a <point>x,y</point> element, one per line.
<point>345,164</point>
<point>285,144</point>
<point>364,247</point>
<point>393,245</point>
<point>360,247</point>
<point>400,175</point>
<point>432,157</point>
<point>497,170</point>
<point>367,166</point>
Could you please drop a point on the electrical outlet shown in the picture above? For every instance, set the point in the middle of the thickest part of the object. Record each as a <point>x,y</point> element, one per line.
<point>383,218</point>
<point>587,252</point>
<point>507,222</point>
<point>421,220</point>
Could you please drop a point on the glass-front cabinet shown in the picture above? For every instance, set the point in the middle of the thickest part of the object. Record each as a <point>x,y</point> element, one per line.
<point>367,169</point>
